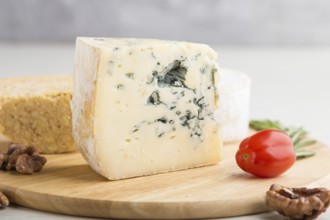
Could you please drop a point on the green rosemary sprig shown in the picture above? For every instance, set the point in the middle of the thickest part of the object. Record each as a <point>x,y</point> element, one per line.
<point>298,135</point>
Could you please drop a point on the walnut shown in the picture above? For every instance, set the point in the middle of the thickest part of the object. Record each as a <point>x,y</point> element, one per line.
<point>298,203</point>
<point>3,159</point>
<point>25,159</point>
<point>3,200</point>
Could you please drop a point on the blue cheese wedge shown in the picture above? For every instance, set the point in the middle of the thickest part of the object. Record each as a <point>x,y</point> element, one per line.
<point>143,107</point>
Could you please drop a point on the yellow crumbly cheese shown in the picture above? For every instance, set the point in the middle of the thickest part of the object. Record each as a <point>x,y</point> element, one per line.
<point>36,111</point>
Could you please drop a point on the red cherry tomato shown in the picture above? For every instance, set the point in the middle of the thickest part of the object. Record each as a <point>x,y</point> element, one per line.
<point>267,153</point>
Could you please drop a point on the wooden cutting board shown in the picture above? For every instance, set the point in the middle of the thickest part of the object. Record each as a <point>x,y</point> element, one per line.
<point>68,185</point>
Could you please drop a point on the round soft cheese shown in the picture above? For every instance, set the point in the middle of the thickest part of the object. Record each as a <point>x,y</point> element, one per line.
<point>233,112</point>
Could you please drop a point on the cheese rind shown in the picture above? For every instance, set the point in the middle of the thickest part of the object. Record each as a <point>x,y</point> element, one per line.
<point>143,107</point>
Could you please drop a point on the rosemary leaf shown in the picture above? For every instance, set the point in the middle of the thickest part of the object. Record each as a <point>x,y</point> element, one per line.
<point>304,153</point>
<point>265,124</point>
<point>296,140</point>
<point>304,144</point>
<point>294,132</point>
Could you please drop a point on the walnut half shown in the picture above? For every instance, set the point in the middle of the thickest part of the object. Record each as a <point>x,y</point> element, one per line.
<point>3,200</point>
<point>298,203</point>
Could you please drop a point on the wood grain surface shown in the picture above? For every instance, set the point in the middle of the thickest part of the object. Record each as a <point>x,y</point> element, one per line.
<point>68,185</point>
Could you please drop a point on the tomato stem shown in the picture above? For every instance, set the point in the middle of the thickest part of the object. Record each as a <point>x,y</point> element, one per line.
<point>245,156</point>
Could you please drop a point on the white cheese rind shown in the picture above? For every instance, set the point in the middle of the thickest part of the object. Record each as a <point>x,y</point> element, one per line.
<point>233,112</point>
<point>83,101</point>
<point>143,107</point>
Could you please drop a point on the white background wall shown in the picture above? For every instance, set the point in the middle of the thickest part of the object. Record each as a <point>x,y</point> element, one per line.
<point>282,44</point>
<point>236,22</point>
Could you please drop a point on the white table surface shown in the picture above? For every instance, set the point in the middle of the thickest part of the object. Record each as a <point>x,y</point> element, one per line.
<point>289,84</point>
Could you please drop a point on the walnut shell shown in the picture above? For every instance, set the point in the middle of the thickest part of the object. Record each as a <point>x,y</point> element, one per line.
<point>3,200</point>
<point>298,203</point>
<point>25,159</point>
